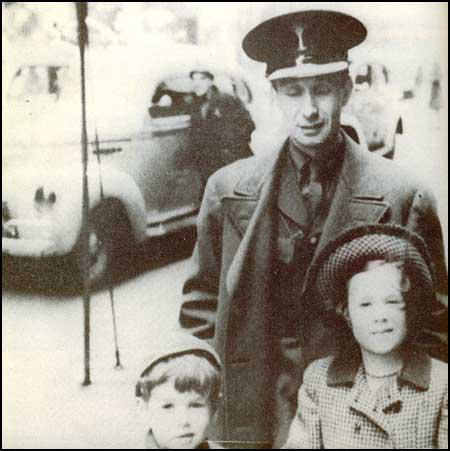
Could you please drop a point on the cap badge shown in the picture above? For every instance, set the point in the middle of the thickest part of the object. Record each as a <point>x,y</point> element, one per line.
<point>301,51</point>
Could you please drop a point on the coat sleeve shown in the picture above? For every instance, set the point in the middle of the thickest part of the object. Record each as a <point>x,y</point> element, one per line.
<point>200,291</point>
<point>305,431</point>
<point>423,219</point>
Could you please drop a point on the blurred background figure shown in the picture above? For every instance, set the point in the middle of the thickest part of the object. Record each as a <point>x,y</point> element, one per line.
<point>220,126</point>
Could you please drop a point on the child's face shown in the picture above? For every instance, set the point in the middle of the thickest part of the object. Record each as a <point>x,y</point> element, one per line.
<point>178,420</point>
<point>376,309</point>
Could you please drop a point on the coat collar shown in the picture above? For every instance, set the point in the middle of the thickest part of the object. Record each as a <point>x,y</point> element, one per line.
<point>358,198</point>
<point>356,160</point>
<point>416,371</point>
<point>252,182</point>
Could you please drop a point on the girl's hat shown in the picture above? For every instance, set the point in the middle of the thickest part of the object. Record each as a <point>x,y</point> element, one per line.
<point>346,255</point>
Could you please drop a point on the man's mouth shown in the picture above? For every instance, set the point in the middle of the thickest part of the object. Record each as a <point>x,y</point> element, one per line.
<point>312,129</point>
<point>312,126</point>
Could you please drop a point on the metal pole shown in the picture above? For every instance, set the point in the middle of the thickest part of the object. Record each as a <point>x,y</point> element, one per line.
<point>82,10</point>
<point>110,281</point>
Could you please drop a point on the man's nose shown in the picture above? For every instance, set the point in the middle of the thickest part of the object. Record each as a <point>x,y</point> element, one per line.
<point>309,108</point>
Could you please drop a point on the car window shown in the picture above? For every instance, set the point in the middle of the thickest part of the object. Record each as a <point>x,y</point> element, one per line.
<point>172,97</point>
<point>363,77</point>
<point>50,81</point>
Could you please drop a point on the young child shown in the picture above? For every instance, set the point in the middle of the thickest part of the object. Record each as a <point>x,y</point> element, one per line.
<point>180,388</point>
<point>380,391</point>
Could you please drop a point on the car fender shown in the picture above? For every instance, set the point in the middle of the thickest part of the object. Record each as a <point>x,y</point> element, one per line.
<point>62,218</point>
<point>118,185</point>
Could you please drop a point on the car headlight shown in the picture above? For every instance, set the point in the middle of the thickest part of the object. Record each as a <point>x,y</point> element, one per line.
<point>40,198</point>
<point>8,230</point>
<point>6,213</point>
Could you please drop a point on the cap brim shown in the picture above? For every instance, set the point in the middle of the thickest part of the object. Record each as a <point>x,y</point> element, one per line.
<point>309,70</point>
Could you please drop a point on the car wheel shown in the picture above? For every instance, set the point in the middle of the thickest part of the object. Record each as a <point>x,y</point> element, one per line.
<point>108,234</point>
<point>99,256</point>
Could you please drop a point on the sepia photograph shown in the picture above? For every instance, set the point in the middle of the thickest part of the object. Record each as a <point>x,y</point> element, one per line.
<point>224,225</point>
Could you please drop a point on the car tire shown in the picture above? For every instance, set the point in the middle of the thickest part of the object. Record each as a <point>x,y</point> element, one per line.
<point>108,242</point>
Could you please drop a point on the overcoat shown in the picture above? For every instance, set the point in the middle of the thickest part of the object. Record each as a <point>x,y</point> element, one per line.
<point>228,292</point>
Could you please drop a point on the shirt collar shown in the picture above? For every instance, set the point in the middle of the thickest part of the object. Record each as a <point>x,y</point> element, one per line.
<point>327,159</point>
<point>416,370</point>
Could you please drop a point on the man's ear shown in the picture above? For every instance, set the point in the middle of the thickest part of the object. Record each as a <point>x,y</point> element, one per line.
<point>347,91</point>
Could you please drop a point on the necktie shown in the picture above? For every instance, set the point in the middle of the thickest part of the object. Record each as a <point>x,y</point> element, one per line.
<point>311,188</point>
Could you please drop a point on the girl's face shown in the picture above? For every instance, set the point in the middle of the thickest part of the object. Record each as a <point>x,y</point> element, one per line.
<point>376,309</point>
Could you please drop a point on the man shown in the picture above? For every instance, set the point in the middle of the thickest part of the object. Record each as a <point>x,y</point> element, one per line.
<point>264,220</point>
<point>220,126</point>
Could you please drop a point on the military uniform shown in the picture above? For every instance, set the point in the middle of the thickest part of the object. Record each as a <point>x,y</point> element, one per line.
<point>262,223</point>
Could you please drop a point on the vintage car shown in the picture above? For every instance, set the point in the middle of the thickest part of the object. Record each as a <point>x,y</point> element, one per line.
<point>142,179</point>
<point>374,102</point>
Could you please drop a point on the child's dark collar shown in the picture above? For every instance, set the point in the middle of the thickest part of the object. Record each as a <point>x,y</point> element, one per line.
<point>416,371</point>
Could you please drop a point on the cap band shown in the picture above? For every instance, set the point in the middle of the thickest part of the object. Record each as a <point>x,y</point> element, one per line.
<point>309,70</point>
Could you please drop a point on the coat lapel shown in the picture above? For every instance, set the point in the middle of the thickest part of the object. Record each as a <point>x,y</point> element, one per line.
<point>258,220</point>
<point>248,278</point>
<point>249,212</point>
<point>358,198</point>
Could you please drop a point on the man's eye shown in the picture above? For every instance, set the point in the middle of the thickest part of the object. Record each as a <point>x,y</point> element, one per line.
<point>322,89</point>
<point>292,91</point>
<point>167,406</point>
<point>365,304</point>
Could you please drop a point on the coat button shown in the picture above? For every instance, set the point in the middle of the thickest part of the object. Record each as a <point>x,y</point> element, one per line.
<point>313,240</point>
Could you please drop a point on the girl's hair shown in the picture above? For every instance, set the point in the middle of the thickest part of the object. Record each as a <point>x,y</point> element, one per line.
<point>188,372</point>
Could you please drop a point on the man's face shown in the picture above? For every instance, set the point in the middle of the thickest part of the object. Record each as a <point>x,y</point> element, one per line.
<point>201,83</point>
<point>178,420</point>
<point>376,309</point>
<point>312,107</point>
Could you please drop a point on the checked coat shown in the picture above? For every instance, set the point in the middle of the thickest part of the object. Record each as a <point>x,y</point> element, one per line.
<point>336,408</point>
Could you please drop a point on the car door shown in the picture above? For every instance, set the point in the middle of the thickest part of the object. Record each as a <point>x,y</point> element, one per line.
<point>156,153</point>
